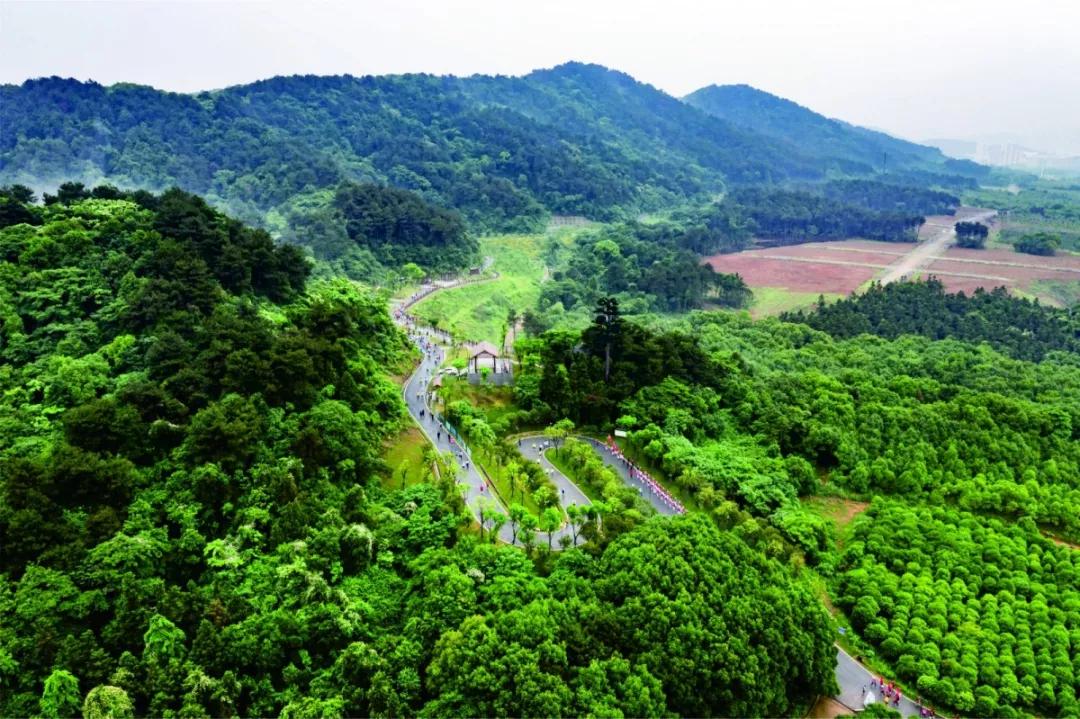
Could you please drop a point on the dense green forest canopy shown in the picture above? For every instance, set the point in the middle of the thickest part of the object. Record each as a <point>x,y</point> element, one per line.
<point>505,151</point>
<point>363,226</point>
<point>1019,327</point>
<point>976,614</point>
<point>797,216</point>
<point>193,522</point>
<point>748,412</point>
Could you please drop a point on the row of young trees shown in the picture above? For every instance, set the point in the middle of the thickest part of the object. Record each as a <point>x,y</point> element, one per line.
<point>979,615</point>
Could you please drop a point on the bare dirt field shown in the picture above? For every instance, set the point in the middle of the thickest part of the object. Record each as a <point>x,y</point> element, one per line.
<point>828,267</point>
<point>967,270</point>
<point>785,277</point>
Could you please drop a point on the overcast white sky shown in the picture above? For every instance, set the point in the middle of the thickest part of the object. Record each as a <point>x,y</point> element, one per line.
<point>917,68</point>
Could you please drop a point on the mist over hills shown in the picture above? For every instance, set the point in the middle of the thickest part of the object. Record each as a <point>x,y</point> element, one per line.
<point>506,151</point>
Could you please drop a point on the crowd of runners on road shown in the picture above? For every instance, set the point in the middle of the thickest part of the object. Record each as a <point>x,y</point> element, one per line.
<point>890,696</point>
<point>642,476</point>
<point>427,339</point>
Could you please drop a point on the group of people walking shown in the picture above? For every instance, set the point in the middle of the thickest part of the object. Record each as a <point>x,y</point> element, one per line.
<point>642,476</point>
<point>891,696</point>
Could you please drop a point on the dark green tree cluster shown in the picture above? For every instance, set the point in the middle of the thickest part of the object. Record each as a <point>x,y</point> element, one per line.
<point>971,235</point>
<point>643,265</point>
<point>981,616</point>
<point>1044,244</point>
<point>15,209</point>
<point>390,226</point>
<point>399,227</point>
<point>787,217</point>
<point>717,227</point>
<point>192,524</point>
<point>1019,327</point>
<point>888,197</point>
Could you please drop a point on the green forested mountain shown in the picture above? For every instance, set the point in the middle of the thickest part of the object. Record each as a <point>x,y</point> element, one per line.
<point>843,147</point>
<point>576,139</point>
<point>192,522</point>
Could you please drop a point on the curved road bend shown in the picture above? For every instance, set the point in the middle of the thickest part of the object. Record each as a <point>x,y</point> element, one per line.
<point>475,488</point>
<point>850,675</point>
<point>532,447</point>
<point>624,473</point>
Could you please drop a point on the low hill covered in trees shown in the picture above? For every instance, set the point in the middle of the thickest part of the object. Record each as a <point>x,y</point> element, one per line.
<point>848,149</point>
<point>192,520</point>
<point>1015,326</point>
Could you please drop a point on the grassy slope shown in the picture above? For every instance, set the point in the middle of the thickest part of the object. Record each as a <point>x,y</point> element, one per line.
<point>405,451</point>
<point>770,301</point>
<point>478,312</point>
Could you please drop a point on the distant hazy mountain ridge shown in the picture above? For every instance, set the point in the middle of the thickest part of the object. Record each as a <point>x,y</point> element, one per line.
<point>575,139</point>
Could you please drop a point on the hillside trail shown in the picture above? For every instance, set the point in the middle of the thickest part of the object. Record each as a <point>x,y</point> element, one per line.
<point>476,487</point>
<point>851,676</point>
<point>927,251</point>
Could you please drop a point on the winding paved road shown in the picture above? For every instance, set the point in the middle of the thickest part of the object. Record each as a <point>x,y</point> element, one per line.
<point>536,447</point>
<point>852,678</point>
<point>476,490</point>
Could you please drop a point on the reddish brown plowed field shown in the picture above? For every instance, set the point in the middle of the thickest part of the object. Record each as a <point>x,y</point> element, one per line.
<point>1020,270</point>
<point>872,245</point>
<point>760,271</point>
<point>1019,274</point>
<point>843,267</point>
<point>826,267</point>
<point>1008,256</point>
<point>968,286</point>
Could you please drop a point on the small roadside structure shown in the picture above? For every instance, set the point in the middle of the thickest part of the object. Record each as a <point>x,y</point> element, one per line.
<point>486,363</point>
<point>484,354</point>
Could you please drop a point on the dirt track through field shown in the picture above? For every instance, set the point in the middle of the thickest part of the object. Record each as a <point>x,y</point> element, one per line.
<point>946,257</point>
<point>847,263</point>
<point>924,252</point>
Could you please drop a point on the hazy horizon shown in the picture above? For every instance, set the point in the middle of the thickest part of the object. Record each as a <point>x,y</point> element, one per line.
<point>962,70</point>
